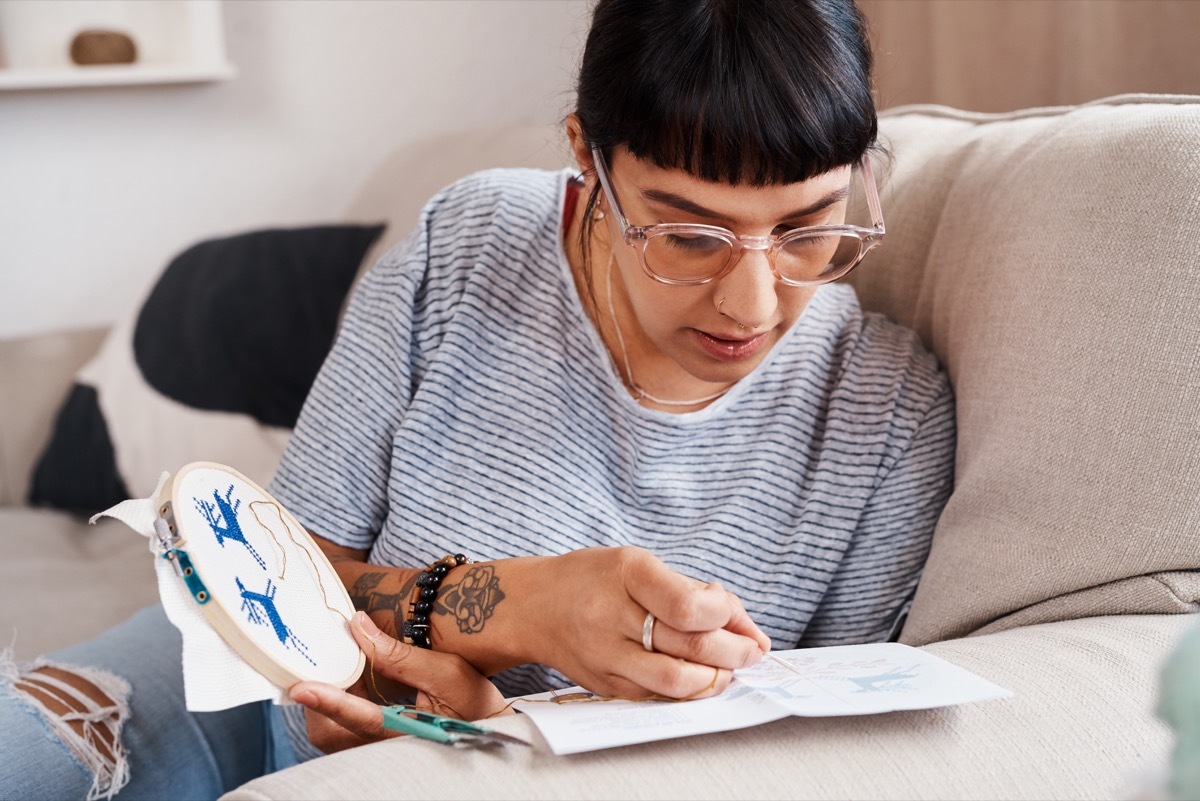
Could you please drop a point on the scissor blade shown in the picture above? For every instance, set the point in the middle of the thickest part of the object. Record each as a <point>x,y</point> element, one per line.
<point>501,738</point>
<point>472,732</point>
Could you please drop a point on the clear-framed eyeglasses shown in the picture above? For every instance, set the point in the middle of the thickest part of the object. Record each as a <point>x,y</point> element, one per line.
<point>684,254</point>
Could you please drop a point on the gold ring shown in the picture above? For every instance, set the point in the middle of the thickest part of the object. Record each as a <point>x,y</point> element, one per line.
<point>648,632</point>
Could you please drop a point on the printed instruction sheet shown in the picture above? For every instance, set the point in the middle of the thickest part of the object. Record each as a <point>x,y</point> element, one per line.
<point>809,682</point>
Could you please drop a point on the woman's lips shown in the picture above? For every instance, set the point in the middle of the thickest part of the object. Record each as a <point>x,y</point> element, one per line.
<point>730,350</point>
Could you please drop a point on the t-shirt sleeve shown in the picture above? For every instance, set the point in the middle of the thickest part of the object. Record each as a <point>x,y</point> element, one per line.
<point>881,567</point>
<point>334,473</point>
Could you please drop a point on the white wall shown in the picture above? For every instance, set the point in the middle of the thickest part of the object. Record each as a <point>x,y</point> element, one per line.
<point>100,187</point>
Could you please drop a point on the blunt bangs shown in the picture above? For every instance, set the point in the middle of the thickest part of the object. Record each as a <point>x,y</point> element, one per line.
<point>753,92</point>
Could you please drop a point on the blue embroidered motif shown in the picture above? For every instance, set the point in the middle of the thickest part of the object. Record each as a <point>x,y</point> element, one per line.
<point>222,519</point>
<point>256,605</point>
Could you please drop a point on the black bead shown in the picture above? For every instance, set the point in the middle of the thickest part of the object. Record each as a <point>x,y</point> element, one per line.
<point>422,607</point>
<point>420,620</point>
<point>458,557</point>
<point>428,594</point>
<point>423,579</point>
<point>440,570</point>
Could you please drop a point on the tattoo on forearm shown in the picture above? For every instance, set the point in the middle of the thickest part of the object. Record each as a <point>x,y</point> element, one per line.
<point>366,596</point>
<point>472,599</point>
<point>364,589</point>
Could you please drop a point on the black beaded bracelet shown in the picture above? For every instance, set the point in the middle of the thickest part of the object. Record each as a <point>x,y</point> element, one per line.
<point>429,580</point>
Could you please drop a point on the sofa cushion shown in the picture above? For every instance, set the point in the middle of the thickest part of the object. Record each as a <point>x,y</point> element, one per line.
<point>63,582</point>
<point>35,374</point>
<point>214,365</point>
<point>1054,739</point>
<point>1049,257</point>
<point>426,166</point>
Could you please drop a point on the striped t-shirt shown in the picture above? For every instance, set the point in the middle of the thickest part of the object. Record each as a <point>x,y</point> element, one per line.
<point>469,406</point>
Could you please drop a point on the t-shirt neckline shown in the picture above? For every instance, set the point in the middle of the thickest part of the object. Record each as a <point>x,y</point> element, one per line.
<point>616,384</point>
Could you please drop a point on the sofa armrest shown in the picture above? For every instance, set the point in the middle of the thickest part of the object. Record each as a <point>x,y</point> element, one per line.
<point>1081,725</point>
<point>35,373</point>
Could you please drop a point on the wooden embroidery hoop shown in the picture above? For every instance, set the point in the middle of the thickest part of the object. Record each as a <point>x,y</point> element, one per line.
<point>186,533</point>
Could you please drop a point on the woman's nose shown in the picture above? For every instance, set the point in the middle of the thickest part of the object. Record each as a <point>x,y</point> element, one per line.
<point>749,290</point>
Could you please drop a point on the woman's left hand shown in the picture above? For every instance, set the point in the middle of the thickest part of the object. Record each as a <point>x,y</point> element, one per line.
<point>445,684</point>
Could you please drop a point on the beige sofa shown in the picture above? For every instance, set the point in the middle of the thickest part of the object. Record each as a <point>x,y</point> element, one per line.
<point>1051,258</point>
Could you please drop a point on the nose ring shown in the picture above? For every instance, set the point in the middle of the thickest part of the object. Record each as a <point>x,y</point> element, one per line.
<point>722,303</point>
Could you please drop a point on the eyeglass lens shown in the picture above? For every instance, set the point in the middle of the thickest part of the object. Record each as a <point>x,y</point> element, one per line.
<point>804,257</point>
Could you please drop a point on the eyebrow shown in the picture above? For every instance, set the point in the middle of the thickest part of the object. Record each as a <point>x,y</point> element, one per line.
<point>681,203</point>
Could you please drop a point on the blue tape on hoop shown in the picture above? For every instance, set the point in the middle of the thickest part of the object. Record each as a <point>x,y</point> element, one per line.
<point>185,569</point>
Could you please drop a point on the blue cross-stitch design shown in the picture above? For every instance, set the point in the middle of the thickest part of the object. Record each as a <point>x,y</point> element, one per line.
<point>256,605</point>
<point>222,519</point>
<point>891,681</point>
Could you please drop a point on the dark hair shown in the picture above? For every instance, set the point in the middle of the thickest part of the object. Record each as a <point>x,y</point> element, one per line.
<point>751,92</point>
<point>740,91</point>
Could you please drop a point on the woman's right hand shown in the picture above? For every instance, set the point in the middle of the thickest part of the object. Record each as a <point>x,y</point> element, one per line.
<point>581,613</point>
<point>594,604</point>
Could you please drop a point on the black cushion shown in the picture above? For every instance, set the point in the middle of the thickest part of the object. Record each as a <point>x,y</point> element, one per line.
<point>239,324</point>
<point>242,324</point>
<point>77,471</point>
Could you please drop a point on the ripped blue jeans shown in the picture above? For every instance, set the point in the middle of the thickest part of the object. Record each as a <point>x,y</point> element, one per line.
<point>142,745</point>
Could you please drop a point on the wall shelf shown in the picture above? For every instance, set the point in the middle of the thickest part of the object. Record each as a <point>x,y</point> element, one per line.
<point>116,75</point>
<point>178,42</point>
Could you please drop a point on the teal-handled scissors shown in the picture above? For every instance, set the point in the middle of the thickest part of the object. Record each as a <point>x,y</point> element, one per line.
<point>440,729</point>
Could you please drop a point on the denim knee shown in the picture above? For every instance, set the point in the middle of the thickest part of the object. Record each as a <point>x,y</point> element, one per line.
<point>108,717</point>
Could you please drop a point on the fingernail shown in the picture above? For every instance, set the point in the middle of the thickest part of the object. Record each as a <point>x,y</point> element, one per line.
<point>366,625</point>
<point>308,698</point>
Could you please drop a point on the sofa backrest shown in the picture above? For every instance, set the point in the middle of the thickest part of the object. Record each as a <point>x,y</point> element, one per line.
<point>1051,258</point>
<point>402,185</point>
<point>35,372</point>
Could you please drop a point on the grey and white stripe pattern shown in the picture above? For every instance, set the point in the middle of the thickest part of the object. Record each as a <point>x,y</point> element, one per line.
<point>469,406</point>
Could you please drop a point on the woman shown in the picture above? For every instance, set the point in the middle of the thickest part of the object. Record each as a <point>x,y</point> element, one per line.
<point>629,392</point>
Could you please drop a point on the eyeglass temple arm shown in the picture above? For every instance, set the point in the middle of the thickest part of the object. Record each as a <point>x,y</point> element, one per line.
<point>602,174</point>
<point>868,176</point>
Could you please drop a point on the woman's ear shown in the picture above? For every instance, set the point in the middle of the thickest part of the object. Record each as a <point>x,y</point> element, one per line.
<point>579,147</point>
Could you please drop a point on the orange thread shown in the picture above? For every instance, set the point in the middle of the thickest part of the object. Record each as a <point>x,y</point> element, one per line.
<point>267,529</point>
<point>298,544</point>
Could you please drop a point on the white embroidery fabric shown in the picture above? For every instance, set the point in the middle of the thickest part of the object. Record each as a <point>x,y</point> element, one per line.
<point>216,677</point>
